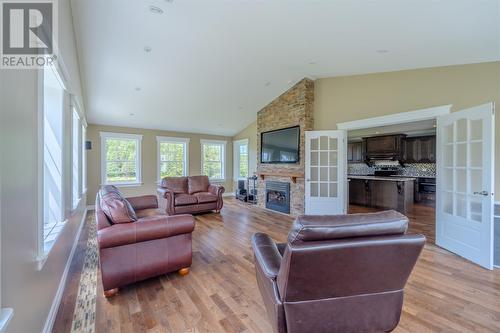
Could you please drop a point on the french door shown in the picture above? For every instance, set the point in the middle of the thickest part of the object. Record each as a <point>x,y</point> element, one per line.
<point>326,172</point>
<point>464,201</point>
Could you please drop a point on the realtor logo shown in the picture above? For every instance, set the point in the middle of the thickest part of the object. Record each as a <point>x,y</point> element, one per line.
<point>28,33</point>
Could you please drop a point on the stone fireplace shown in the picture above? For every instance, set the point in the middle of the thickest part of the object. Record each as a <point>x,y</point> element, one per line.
<point>278,196</point>
<point>294,107</point>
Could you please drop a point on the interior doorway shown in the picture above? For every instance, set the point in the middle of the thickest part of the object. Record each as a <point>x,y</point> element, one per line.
<point>464,176</point>
<point>394,167</point>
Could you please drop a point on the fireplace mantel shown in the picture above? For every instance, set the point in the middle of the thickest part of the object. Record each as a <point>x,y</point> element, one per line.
<point>293,175</point>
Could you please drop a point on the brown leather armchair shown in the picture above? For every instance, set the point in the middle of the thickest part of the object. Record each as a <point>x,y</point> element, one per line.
<point>189,195</point>
<point>155,244</point>
<point>343,273</point>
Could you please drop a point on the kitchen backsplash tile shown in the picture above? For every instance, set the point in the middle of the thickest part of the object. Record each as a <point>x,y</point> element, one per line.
<point>410,169</point>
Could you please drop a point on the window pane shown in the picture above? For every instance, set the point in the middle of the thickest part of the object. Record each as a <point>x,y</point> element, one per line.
<point>119,172</point>
<point>212,169</point>
<point>213,160</point>
<point>172,156</point>
<point>53,95</point>
<point>75,153</point>
<point>171,169</point>
<point>120,149</point>
<point>243,162</point>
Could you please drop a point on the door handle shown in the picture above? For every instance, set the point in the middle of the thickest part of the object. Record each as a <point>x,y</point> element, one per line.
<point>484,193</point>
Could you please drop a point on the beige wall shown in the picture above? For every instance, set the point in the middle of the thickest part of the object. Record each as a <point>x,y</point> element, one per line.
<point>348,98</point>
<point>250,133</point>
<point>29,291</point>
<point>149,158</point>
<point>341,99</point>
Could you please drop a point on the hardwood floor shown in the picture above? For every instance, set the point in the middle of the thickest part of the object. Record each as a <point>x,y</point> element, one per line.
<point>445,293</point>
<point>422,219</point>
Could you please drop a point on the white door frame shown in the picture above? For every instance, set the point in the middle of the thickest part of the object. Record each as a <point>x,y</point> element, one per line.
<point>396,118</point>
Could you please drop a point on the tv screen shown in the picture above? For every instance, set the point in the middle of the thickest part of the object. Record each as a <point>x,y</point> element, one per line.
<point>280,146</point>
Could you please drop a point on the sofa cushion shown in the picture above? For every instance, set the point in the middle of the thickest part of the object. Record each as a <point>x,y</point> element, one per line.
<point>328,227</point>
<point>198,184</point>
<point>146,229</point>
<point>115,206</point>
<point>148,212</point>
<point>175,184</point>
<point>204,197</point>
<point>185,199</point>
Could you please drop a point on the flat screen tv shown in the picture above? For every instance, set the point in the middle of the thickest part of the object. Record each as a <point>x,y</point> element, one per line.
<point>280,146</point>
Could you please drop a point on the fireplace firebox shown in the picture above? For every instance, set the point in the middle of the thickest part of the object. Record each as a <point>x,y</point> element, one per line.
<point>278,196</point>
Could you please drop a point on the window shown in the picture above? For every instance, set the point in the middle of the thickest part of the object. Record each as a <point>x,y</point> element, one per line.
<point>120,158</point>
<point>213,159</point>
<point>75,157</point>
<point>172,157</point>
<point>53,158</point>
<point>240,159</point>
<point>84,160</point>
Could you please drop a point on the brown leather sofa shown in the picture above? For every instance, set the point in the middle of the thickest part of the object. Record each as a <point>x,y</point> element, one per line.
<point>189,195</point>
<point>342,273</point>
<point>155,244</point>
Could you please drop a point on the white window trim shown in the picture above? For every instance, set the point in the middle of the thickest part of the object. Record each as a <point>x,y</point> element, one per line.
<point>84,157</point>
<point>236,158</point>
<point>138,138</point>
<point>185,141</point>
<point>219,142</point>
<point>42,255</point>
<point>76,203</point>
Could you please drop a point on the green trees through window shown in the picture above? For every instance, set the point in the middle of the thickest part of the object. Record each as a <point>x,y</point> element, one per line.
<point>121,160</point>
<point>172,159</point>
<point>213,160</point>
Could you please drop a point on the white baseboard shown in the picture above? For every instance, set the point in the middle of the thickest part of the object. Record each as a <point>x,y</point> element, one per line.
<point>229,194</point>
<point>49,323</point>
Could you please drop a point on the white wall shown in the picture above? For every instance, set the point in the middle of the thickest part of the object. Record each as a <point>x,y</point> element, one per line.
<point>29,291</point>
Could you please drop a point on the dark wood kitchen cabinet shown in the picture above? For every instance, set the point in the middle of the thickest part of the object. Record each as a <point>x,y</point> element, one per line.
<point>355,152</point>
<point>420,149</point>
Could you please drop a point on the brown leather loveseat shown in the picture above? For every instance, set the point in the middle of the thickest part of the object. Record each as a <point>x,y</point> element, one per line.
<point>342,273</point>
<point>188,195</point>
<point>150,244</point>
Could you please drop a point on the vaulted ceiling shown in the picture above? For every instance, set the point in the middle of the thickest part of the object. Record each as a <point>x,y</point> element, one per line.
<point>209,66</point>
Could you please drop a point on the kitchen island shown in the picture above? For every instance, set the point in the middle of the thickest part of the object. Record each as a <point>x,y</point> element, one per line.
<point>382,192</point>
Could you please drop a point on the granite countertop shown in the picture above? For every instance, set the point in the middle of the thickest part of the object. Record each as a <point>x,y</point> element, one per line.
<point>390,178</point>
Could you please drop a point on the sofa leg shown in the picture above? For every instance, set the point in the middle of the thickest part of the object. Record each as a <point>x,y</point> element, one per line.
<point>184,271</point>
<point>111,292</point>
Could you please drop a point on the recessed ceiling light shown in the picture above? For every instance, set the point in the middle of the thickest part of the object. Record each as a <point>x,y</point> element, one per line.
<point>268,84</point>
<point>137,88</point>
<point>147,49</point>
<point>155,10</point>
<point>382,51</point>
<point>131,114</point>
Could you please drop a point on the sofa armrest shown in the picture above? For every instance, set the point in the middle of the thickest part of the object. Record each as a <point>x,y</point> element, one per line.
<point>164,192</point>
<point>143,202</point>
<point>267,255</point>
<point>145,229</point>
<point>216,189</point>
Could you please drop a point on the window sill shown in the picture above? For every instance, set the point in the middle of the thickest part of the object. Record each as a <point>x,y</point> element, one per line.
<point>48,243</point>
<point>135,184</point>
<point>5,317</point>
